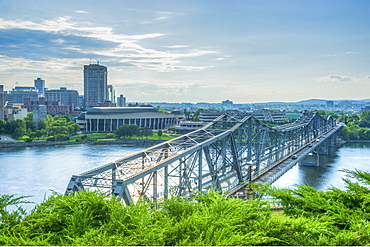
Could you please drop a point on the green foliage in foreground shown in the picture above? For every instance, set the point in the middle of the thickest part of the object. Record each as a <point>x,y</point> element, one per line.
<point>310,217</point>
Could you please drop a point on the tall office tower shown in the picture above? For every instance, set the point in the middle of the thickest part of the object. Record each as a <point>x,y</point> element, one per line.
<point>121,101</point>
<point>40,85</point>
<point>95,84</point>
<point>2,102</point>
<point>111,94</point>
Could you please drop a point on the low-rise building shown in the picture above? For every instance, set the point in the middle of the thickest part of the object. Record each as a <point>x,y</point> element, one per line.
<point>188,126</point>
<point>270,115</point>
<point>110,118</point>
<point>53,107</point>
<point>14,113</point>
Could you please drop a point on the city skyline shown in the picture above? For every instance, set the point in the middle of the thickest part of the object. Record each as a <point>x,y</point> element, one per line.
<point>209,51</point>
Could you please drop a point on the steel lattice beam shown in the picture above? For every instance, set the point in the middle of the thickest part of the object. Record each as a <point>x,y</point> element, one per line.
<point>221,155</point>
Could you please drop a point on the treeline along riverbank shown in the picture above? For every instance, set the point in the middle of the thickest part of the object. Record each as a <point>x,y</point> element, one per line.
<point>55,143</point>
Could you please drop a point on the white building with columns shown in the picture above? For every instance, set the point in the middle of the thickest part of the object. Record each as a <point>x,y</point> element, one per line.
<point>110,118</point>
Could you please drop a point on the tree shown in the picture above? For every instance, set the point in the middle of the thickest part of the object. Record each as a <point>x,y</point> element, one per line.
<point>147,132</point>
<point>126,130</point>
<point>14,124</point>
<point>29,117</point>
<point>30,124</point>
<point>140,132</point>
<point>73,127</point>
<point>19,132</point>
<point>160,133</point>
<point>364,119</point>
<point>2,126</point>
<point>39,133</point>
<point>144,131</point>
<point>41,125</point>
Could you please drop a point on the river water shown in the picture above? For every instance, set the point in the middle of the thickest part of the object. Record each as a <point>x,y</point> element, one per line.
<point>37,171</point>
<point>350,156</point>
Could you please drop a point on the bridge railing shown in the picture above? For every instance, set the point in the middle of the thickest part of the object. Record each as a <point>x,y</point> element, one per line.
<point>230,150</point>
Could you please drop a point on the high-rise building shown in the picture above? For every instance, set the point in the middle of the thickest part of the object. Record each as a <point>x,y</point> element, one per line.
<point>111,94</point>
<point>95,84</point>
<point>2,102</point>
<point>121,101</point>
<point>63,95</point>
<point>40,85</point>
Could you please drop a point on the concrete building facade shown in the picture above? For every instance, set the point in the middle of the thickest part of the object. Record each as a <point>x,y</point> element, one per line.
<point>20,93</point>
<point>121,101</point>
<point>95,85</point>
<point>187,126</point>
<point>270,115</point>
<point>111,94</point>
<point>39,113</point>
<point>110,118</point>
<point>63,95</point>
<point>14,113</point>
<point>53,107</point>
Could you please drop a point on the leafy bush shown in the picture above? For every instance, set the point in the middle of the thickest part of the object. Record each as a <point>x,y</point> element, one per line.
<point>309,217</point>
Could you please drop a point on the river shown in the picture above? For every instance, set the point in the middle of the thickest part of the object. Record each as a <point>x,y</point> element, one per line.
<point>350,156</point>
<point>37,171</point>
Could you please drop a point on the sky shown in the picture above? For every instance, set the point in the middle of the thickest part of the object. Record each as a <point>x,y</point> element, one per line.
<point>246,51</point>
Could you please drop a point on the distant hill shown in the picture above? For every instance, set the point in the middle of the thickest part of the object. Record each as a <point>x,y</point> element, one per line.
<point>323,102</point>
<point>312,102</point>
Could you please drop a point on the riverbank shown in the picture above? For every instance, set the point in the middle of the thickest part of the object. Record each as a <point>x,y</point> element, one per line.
<point>129,143</point>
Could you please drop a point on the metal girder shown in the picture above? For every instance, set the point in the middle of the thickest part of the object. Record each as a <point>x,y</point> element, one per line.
<point>224,153</point>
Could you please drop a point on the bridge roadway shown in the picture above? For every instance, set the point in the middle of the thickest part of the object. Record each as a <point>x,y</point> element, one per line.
<point>224,155</point>
<point>277,171</point>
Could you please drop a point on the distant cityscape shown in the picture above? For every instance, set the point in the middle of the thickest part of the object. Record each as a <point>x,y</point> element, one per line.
<point>98,109</point>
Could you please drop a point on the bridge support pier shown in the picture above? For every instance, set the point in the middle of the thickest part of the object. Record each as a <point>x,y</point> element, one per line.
<point>311,160</point>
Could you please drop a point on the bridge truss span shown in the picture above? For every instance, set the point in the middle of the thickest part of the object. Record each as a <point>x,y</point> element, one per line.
<point>223,154</point>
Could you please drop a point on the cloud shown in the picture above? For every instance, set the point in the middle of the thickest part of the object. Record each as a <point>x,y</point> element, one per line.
<point>65,26</point>
<point>349,53</point>
<point>58,41</point>
<point>176,46</point>
<point>335,78</point>
<point>343,54</point>
<point>68,38</point>
<point>81,12</point>
<point>161,18</point>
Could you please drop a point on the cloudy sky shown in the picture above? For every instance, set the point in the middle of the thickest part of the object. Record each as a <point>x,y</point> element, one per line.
<point>192,51</point>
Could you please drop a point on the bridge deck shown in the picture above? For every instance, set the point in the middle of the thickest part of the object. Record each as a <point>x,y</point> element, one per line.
<point>277,171</point>
<point>223,155</point>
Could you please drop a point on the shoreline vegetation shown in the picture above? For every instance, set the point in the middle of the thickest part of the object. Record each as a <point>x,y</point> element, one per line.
<point>126,142</point>
<point>307,217</point>
<point>55,143</point>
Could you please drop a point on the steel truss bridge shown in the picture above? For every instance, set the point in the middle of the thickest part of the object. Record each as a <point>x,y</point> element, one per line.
<point>223,155</point>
